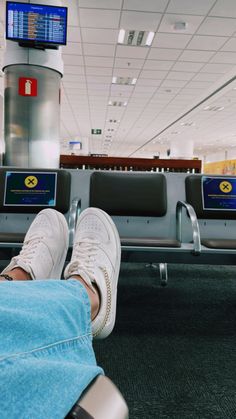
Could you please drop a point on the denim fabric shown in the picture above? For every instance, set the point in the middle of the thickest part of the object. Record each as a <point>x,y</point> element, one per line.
<point>46,354</point>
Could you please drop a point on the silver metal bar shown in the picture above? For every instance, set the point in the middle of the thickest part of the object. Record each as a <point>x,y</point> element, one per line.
<point>74,212</point>
<point>194,223</point>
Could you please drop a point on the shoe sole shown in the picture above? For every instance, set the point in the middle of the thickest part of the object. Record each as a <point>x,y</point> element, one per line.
<point>106,329</point>
<point>54,217</point>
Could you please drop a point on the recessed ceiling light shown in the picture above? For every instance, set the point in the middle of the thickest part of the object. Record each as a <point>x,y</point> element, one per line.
<point>121,36</point>
<point>135,37</point>
<point>150,38</point>
<point>124,80</point>
<point>187,124</point>
<point>213,108</point>
<point>116,103</point>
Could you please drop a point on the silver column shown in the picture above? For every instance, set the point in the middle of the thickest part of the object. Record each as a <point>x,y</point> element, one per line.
<point>31,123</point>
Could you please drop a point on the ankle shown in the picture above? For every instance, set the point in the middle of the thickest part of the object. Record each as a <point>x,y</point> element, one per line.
<point>18,274</point>
<point>93,294</point>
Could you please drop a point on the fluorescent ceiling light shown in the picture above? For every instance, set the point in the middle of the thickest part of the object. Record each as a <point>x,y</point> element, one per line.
<point>150,38</point>
<point>124,80</point>
<point>121,36</point>
<point>135,37</point>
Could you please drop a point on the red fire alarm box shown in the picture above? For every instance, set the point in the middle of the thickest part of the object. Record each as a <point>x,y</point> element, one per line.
<point>28,86</point>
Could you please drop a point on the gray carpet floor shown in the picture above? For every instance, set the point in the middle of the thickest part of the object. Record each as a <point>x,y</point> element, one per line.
<point>173,350</point>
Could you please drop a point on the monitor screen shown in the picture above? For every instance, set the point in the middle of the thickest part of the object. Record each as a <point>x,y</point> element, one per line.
<point>30,189</point>
<point>36,24</point>
<point>219,193</point>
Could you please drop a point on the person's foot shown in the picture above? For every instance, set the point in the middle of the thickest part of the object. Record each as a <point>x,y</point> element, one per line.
<point>96,259</point>
<point>45,247</point>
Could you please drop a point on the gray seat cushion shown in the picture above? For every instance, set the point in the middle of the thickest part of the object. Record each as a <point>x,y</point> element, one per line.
<point>219,243</point>
<point>152,242</point>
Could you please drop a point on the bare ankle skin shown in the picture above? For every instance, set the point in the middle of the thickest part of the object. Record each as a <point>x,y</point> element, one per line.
<point>18,274</point>
<point>93,296</point>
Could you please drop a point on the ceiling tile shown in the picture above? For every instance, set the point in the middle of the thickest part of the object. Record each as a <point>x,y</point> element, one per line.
<point>72,48</point>
<point>126,72</point>
<point>199,7</point>
<point>224,57</point>
<point>206,77</point>
<point>96,71</point>
<point>103,36</point>
<point>198,84</point>
<point>73,59</point>
<point>164,54</point>
<point>73,34</point>
<point>210,43</point>
<point>129,63</point>
<point>140,21</point>
<point>147,6</point>
<point>225,8</point>
<point>157,65</point>
<point>103,4</point>
<point>148,74</point>
<point>217,26</point>
<point>230,45</point>
<point>99,18</point>
<point>216,68</point>
<point>148,82</point>
<point>98,62</point>
<point>173,83</point>
<point>73,69</point>
<point>100,50</point>
<point>169,40</point>
<point>196,56</point>
<point>187,66</point>
<point>99,79</point>
<point>179,75</point>
<point>131,51</point>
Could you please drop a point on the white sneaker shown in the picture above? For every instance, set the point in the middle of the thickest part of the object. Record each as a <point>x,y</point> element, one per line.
<point>45,246</point>
<point>96,258</point>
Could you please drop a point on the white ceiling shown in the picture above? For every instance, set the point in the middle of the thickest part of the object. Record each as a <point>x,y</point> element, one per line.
<point>178,77</point>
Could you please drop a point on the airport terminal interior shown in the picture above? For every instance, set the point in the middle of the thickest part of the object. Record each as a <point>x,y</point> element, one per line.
<point>129,106</point>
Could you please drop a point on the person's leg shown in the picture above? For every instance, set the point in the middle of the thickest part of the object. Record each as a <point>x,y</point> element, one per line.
<point>45,326</point>
<point>46,354</point>
<point>96,262</point>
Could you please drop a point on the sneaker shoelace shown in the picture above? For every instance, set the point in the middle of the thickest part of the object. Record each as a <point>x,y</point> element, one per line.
<point>29,248</point>
<point>84,255</point>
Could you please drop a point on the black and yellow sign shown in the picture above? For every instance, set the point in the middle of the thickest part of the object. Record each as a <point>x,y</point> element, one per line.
<point>219,193</point>
<point>30,188</point>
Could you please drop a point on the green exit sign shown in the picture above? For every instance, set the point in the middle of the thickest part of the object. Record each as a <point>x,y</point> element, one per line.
<point>96,131</point>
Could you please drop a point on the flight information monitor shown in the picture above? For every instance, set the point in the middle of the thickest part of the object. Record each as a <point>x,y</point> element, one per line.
<point>30,189</point>
<point>36,24</point>
<point>219,193</point>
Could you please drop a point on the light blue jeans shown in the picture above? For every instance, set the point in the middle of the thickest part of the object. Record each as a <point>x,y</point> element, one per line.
<point>46,354</point>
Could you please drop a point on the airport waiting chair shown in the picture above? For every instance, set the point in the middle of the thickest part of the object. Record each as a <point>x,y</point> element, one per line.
<point>137,201</point>
<point>214,201</point>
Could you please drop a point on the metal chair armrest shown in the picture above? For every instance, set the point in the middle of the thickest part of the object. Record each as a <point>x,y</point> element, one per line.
<point>74,212</point>
<point>194,223</point>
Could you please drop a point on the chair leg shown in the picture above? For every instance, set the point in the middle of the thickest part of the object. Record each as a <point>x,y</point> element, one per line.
<point>163,271</point>
<point>163,274</point>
